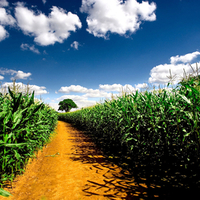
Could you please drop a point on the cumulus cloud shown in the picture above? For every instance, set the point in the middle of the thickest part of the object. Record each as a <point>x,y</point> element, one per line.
<point>105,91</point>
<point>143,85</point>
<point>38,89</point>
<point>97,93</point>
<point>3,3</point>
<point>1,77</point>
<point>160,74</point>
<point>116,16</point>
<point>3,33</point>
<point>73,88</point>
<point>75,45</point>
<point>92,93</point>
<point>119,88</point>
<point>47,30</point>
<point>22,87</point>
<point>55,106</point>
<point>185,58</point>
<point>21,75</point>
<point>28,47</point>
<point>18,74</point>
<point>7,71</point>
<point>114,87</point>
<point>5,20</point>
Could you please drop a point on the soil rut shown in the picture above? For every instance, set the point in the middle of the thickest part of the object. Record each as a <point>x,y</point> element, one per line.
<point>71,167</point>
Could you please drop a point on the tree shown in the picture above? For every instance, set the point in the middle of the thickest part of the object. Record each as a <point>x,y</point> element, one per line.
<point>67,105</point>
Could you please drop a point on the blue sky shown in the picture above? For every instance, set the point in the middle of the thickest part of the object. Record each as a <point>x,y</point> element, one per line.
<point>86,50</point>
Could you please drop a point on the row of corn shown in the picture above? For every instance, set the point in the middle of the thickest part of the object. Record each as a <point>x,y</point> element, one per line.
<point>158,134</point>
<point>25,126</point>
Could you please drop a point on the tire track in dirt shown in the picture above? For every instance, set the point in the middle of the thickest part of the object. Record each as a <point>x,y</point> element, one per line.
<point>70,167</point>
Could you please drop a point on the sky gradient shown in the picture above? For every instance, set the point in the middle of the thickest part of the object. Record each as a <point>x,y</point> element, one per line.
<point>86,50</point>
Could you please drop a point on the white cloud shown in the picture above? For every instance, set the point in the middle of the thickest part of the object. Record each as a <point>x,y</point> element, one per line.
<point>38,89</point>
<point>47,30</point>
<point>185,58</point>
<point>92,93</point>
<point>21,75</point>
<point>159,73</point>
<point>55,106</point>
<point>3,33</point>
<point>1,77</point>
<point>97,93</point>
<point>114,87</point>
<point>5,20</point>
<point>31,48</point>
<point>116,16</point>
<point>143,85</point>
<point>7,71</point>
<point>117,88</point>
<point>22,87</point>
<point>3,3</point>
<point>103,90</point>
<point>44,1</point>
<point>75,45</point>
<point>73,88</point>
<point>74,97</point>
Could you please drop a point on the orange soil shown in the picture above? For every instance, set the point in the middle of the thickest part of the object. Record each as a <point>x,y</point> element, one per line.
<point>76,171</point>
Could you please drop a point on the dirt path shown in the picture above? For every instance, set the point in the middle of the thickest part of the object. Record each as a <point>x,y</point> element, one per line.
<point>71,168</point>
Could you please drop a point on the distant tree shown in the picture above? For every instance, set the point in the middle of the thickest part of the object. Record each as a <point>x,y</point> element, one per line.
<point>67,105</point>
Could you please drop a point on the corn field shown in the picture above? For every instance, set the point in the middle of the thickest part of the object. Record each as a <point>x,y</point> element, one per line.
<point>157,134</point>
<point>25,126</point>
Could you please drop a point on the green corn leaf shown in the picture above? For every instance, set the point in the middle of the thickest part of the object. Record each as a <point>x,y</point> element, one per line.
<point>5,138</point>
<point>3,114</point>
<point>13,145</point>
<point>11,93</point>
<point>31,101</point>
<point>17,103</point>
<point>186,135</point>
<point>4,193</point>
<point>7,118</point>
<point>17,155</point>
<point>129,139</point>
<point>185,98</point>
<point>17,118</point>
<point>10,135</point>
<point>18,115</point>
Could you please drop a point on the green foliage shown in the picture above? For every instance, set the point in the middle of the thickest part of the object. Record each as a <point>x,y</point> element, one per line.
<point>4,193</point>
<point>25,126</point>
<point>160,132</point>
<point>67,105</point>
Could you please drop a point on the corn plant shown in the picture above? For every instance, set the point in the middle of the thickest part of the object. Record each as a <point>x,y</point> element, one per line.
<point>159,133</point>
<point>25,126</point>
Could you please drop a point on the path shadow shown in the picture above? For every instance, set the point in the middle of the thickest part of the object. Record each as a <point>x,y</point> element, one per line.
<point>136,180</point>
<point>114,180</point>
